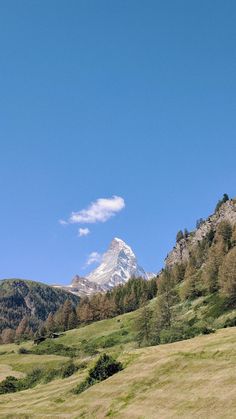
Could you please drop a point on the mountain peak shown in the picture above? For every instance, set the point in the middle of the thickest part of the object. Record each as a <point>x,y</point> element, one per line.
<point>116,239</point>
<point>119,244</point>
<point>118,265</point>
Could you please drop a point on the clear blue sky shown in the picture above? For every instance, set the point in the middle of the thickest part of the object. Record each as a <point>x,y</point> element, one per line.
<point>100,98</point>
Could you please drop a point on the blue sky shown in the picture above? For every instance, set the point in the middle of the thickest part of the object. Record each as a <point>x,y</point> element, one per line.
<point>98,99</point>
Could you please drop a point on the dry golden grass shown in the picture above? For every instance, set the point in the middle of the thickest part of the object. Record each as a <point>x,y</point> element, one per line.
<point>194,378</point>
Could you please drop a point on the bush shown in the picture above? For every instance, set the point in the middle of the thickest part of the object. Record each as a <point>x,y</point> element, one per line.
<point>217,305</point>
<point>108,341</point>
<point>229,322</point>
<point>84,385</point>
<point>51,374</point>
<point>68,369</point>
<point>32,378</point>
<point>9,385</point>
<point>51,347</point>
<point>181,332</point>
<point>23,350</point>
<point>171,335</point>
<point>12,384</point>
<point>89,348</point>
<point>105,367</point>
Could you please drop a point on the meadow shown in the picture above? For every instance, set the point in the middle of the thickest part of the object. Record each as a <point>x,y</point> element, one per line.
<point>192,378</point>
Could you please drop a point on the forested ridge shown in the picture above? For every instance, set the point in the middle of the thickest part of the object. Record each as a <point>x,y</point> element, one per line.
<point>207,275</point>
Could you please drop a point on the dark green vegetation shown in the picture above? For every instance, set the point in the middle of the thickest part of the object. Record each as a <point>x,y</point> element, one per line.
<point>51,347</point>
<point>105,367</point>
<point>36,376</point>
<point>53,310</point>
<point>29,302</point>
<point>222,201</point>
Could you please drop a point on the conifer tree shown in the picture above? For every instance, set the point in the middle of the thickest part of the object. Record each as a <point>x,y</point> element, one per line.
<point>50,323</point>
<point>143,326</point>
<point>21,328</point>
<point>72,320</point>
<point>227,275</point>
<point>167,297</point>
<point>66,312</point>
<point>8,335</point>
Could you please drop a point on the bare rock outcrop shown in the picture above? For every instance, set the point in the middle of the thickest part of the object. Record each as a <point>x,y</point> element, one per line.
<point>181,251</point>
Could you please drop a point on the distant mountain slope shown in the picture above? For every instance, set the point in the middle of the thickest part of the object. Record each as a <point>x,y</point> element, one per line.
<point>20,298</point>
<point>118,265</point>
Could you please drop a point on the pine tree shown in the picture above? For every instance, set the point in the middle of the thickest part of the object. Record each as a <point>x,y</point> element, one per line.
<point>211,269</point>
<point>84,311</point>
<point>50,323</point>
<point>222,201</point>
<point>167,297</point>
<point>227,275</point>
<point>143,326</point>
<point>72,320</point>
<point>21,329</point>
<point>225,231</point>
<point>66,312</point>
<point>130,301</point>
<point>179,236</point>
<point>8,335</point>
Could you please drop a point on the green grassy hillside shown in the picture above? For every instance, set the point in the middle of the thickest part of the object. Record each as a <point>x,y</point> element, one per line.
<point>193,378</point>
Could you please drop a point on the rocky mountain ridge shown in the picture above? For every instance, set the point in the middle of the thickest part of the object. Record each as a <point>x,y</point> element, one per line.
<point>181,251</point>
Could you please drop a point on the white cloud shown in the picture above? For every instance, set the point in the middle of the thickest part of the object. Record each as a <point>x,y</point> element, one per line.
<point>63,222</point>
<point>83,232</point>
<point>98,211</point>
<point>94,257</point>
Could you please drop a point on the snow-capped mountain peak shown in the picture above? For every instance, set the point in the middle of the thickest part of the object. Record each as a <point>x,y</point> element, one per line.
<point>118,265</point>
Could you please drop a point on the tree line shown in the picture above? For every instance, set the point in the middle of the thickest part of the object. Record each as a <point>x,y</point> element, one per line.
<point>209,271</point>
<point>119,300</point>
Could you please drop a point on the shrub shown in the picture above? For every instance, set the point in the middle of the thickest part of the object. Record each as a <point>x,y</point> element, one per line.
<point>9,385</point>
<point>51,374</point>
<point>82,386</point>
<point>217,305</point>
<point>181,332</point>
<point>12,384</point>
<point>229,322</point>
<point>68,369</point>
<point>105,367</point>
<point>51,347</point>
<point>89,348</point>
<point>32,378</point>
<point>23,350</point>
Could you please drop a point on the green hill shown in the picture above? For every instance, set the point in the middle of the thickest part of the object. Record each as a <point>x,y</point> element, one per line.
<point>194,378</point>
<point>189,378</point>
<point>20,298</point>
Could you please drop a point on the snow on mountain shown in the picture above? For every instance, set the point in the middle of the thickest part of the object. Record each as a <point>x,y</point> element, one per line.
<point>118,265</point>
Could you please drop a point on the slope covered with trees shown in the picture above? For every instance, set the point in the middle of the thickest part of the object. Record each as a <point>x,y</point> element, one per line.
<point>24,305</point>
<point>202,275</point>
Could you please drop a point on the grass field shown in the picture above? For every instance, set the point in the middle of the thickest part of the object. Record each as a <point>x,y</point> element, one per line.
<point>193,378</point>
